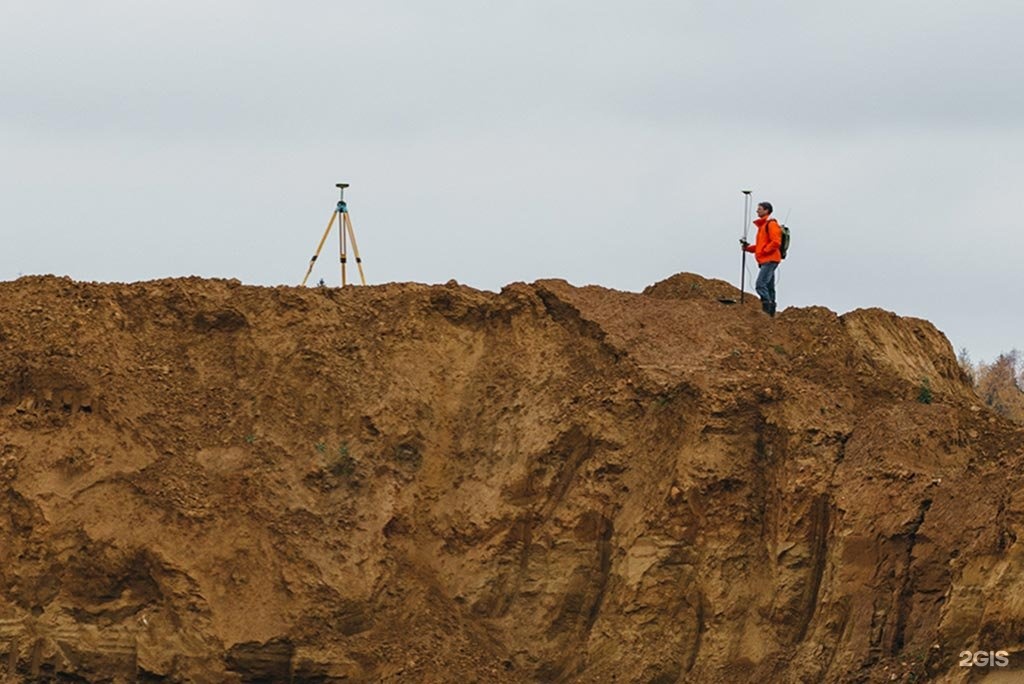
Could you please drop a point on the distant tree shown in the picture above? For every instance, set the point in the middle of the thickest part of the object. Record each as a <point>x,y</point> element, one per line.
<point>999,385</point>
<point>964,359</point>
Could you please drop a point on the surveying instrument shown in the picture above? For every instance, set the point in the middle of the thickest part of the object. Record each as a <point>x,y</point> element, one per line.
<point>345,233</point>
<point>747,203</point>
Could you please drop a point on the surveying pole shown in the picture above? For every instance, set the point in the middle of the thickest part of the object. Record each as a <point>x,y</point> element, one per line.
<point>746,229</point>
<point>345,233</point>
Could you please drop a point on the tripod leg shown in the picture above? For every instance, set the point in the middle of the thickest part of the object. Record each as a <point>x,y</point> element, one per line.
<point>341,244</point>
<point>355,247</point>
<point>318,248</point>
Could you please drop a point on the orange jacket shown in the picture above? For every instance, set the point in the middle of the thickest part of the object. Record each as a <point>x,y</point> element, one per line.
<point>769,240</point>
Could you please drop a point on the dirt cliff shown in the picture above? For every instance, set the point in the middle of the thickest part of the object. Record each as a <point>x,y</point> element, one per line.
<point>210,482</point>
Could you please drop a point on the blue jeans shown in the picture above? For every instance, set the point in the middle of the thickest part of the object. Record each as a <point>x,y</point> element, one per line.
<point>765,285</point>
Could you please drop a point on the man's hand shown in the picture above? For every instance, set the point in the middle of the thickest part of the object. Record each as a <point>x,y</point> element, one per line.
<point>744,244</point>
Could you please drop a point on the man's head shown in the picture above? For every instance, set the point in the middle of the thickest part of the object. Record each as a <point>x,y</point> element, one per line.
<point>763,209</point>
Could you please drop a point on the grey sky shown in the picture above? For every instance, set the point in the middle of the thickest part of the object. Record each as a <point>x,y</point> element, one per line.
<point>496,142</point>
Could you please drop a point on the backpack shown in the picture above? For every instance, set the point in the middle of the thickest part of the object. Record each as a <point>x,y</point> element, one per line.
<point>784,246</point>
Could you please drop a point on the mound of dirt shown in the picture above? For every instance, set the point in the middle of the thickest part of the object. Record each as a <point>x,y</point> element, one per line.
<point>209,482</point>
<point>693,286</point>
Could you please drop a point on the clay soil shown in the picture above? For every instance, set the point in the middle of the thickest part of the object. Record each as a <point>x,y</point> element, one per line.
<point>209,482</point>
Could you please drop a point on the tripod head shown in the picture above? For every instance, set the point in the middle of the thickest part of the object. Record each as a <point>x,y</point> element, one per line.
<point>342,207</point>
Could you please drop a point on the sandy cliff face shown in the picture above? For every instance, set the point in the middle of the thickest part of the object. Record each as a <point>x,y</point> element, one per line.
<point>209,482</point>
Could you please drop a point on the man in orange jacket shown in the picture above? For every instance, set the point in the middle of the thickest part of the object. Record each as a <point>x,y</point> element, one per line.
<point>766,251</point>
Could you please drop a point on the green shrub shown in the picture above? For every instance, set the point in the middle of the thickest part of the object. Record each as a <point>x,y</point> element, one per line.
<point>924,392</point>
<point>342,465</point>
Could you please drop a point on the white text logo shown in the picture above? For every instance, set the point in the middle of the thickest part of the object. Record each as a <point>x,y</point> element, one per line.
<point>984,659</point>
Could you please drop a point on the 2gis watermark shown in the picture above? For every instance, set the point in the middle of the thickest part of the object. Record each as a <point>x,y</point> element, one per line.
<point>984,658</point>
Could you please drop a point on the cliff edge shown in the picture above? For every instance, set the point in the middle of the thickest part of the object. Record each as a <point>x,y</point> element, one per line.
<point>211,482</point>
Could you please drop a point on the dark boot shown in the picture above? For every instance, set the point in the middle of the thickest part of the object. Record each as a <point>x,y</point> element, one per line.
<point>766,306</point>
<point>771,309</point>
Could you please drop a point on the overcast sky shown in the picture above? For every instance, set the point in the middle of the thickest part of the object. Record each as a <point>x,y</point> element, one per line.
<point>493,142</point>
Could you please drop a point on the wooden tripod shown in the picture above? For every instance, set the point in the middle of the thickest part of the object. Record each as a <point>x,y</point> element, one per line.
<point>345,233</point>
